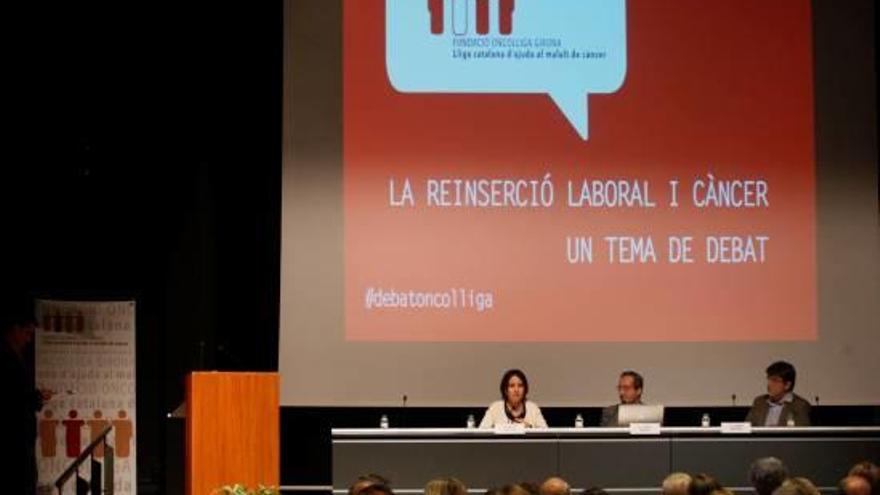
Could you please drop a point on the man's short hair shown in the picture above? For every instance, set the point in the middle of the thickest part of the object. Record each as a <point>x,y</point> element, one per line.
<point>783,370</point>
<point>855,485</point>
<point>676,484</point>
<point>869,471</point>
<point>767,474</point>
<point>638,381</point>
<point>367,484</point>
<point>797,486</point>
<point>16,312</point>
<point>555,486</point>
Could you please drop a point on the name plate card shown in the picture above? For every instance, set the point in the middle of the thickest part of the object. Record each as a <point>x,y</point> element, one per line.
<point>510,429</point>
<point>644,428</point>
<point>736,428</point>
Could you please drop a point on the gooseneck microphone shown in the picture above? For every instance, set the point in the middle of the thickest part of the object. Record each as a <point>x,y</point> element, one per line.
<point>403,415</point>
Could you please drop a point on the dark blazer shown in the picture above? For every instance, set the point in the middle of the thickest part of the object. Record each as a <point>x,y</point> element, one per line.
<point>20,401</point>
<point>798,408</point>
<point>609,416</point>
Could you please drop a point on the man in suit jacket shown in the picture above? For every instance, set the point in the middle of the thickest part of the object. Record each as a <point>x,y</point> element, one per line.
<point>20,399</point>
<point>780,403</point>
<point>629,388</point>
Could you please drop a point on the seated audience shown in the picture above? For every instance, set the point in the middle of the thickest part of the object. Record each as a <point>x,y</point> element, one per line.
<point>767,474</point>
<point>870,472</point>
<point>780,403</point>
<point>514,489</point>
<point>629,389</point>
<point>530,487</point>
<point>514,407</point>
<point>445,486</point>
<point>703,484</point>
<point>370,484</point>
<point>554,486</point>
<point>676,484</point>
<point>855,485</point>
<point>797,486</point>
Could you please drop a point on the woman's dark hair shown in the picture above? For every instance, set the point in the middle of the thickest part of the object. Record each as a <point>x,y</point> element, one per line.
<point>505,379</point>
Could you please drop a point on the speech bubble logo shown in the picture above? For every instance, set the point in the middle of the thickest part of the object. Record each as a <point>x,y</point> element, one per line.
<point>564,48</point>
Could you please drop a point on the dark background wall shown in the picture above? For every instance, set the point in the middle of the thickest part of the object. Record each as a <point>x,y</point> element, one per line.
<point>142,160</point>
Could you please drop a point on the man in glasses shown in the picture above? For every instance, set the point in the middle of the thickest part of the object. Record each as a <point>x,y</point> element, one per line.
<point>629,389</point>
<point>780,406</point>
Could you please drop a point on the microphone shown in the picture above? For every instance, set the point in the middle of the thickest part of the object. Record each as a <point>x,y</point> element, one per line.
<point>817,400</point>
<point>200,356</point>
<point>733,398</point>
<point>403,418</point>
<point>234,360</point>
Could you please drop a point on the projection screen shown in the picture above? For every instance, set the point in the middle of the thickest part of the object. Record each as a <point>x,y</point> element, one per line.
<point>575,188</point>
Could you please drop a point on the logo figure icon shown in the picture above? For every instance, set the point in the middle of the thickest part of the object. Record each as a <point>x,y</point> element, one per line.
<point>461,13</point>
<point>565,49</point>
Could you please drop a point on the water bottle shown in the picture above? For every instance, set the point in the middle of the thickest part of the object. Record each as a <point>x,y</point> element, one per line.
<point>789,421</point>
<point>578,421</point>
<point>383,421</point>
<point>471,422</point>
<point>704,422</point>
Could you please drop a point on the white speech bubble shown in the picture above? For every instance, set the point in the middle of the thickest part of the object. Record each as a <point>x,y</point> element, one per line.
<point>564,48</point>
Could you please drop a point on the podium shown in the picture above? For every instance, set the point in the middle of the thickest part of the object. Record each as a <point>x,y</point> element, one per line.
<point>232,430</point>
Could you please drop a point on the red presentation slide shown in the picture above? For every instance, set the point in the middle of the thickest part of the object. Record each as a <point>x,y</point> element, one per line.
<point>477,209</point>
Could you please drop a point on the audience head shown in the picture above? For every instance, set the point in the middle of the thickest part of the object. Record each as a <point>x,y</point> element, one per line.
<point>676,484</point>
<point>370,484</point>
<point>870,472</point>
<point>767,474</point>
<point>554,486</point>
<point>629,387</point>
<point>855,485</point>
<point>445,486</point>
<point>703,484</point>
<point>530,487</point>
<point>17,322</point>
<point>595,490</point>
<point>781,377</point>
<point>514,489</point>
<point>796,486</point>
<point>514,386</point>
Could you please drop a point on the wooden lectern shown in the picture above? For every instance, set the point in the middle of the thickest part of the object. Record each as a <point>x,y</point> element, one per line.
<point>232,430</point>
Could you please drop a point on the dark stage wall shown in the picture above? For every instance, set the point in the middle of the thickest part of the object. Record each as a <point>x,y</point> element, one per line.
<point>144,162</point>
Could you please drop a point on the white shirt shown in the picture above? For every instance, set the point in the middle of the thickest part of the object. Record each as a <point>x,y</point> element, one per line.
<point>775,409</point>
<point>495,415</point>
